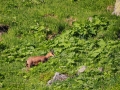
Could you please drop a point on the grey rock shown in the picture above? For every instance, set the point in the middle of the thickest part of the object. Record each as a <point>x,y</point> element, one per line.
<point>90,19</point>
<point>100,69</point>
<point>81,70</point>
<point>57,77</point>
<point>117,8</point>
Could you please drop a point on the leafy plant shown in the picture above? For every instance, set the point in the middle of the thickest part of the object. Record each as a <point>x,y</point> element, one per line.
<point>90,28</point>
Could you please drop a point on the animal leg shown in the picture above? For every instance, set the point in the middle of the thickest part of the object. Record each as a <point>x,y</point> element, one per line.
<point>35,64</point>
<point>28,67</point>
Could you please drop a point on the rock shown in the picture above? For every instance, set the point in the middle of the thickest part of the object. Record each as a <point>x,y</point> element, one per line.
<point>50,82</point>
<point>117,8</point>
<point>100,69</point>
<point>81,70</point>
<point>90,19</point>
<point>57,77</point>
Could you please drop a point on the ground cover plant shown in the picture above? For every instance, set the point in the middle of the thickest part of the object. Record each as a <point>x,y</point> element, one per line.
<point>36,26</point>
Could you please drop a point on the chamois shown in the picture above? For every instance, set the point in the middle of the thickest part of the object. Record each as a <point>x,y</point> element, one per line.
<point>33,61</point>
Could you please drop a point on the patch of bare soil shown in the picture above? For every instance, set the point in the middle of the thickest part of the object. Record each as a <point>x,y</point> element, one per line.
<point>70,20</point>
<point>50,36</point>
<point>110,8</point>
<point>3,28</point>
<point>50,15</point>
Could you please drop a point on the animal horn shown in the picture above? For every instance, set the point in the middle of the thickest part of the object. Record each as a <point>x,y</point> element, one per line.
<point>52,51</point>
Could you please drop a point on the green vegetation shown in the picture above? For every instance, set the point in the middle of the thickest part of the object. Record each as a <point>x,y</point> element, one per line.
<point>36,26</point>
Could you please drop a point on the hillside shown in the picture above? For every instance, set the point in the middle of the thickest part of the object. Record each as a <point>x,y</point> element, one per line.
<point>81,32</point>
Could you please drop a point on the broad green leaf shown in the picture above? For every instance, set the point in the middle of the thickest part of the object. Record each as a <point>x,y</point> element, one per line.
<point>101,43</point>
<point>96,52</point>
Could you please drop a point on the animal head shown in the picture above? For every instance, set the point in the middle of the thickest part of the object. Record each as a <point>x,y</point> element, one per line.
<point>51,53</point>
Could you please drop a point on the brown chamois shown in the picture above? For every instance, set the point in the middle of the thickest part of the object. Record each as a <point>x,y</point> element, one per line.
<point>33,61</point>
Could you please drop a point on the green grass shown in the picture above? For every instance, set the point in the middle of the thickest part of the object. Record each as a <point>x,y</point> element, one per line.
<point>91,44</point>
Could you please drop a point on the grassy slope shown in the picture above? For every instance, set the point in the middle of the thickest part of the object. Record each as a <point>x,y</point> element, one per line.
<point>20,42</point>
<point>21,15</point>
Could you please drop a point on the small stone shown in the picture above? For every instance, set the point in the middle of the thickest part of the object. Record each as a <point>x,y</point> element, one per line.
<point>49,82</point>
<point>82,69</point>
<point>100,69</point>
<point>90,19</point>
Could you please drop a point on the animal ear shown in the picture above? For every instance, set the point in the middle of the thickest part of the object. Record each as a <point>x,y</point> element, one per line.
<point>51,50</point>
